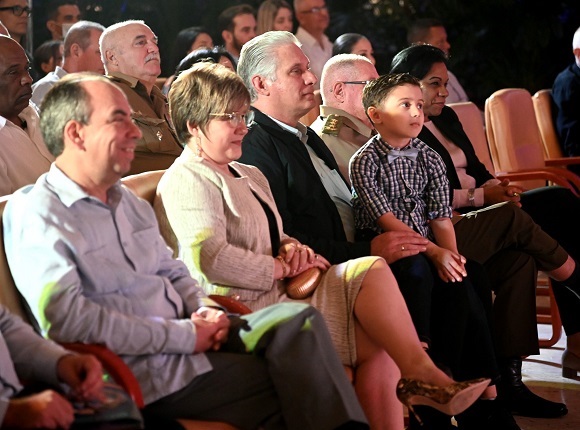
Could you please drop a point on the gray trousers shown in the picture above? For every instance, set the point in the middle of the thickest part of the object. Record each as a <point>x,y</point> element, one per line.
<point>294,380</point>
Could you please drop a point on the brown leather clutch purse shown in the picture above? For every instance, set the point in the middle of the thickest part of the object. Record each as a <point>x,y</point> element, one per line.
<point>303,285</point>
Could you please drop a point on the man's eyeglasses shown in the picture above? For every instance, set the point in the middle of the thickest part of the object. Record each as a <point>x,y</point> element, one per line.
<point>316,10</point>
<point>234,118</point>
<point>356,82</point>
<point>18,10</point>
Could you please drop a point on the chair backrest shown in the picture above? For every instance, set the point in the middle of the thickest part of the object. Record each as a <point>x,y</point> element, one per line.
<point>470,117</point>
<point>544,115</point>
<point>144,185</point>
<point>9,295</point>
<point>513,134</point>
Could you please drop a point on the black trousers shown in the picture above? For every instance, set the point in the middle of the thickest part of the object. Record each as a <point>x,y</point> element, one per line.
<point>556,210</point>
<point>452,317</point>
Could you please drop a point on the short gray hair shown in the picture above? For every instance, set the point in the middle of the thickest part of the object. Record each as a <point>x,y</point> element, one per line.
<point>66,100</point>
<point>341,64</point>
<point>576,39</point>
<point>258,57</point>
<point>80,33</point>
<point>108,40</point>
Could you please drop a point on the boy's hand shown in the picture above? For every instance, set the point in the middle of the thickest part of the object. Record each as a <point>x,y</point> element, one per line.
<point>450,265</point>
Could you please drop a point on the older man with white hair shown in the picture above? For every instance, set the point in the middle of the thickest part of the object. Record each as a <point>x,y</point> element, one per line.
<point>343,124</point>
<point>566,93</point>
<point>131,58</point>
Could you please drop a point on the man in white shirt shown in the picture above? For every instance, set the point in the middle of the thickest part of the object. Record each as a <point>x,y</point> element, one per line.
<point>312,15</point>
<point>81,54</point>
<point>432,32</point>
<point>23,154</point>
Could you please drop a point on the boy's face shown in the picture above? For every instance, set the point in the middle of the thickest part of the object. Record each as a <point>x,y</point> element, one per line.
<point>400,116</point>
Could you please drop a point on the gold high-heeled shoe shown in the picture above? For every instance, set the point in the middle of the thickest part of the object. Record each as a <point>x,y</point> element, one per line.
<point>451,400</point>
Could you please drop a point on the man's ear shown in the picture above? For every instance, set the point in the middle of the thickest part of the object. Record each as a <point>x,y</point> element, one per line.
<point>75,50</point>
<point>374,115</point>
<point>261,85</point>
<point>110,57</point>
<point>576,52</point>
<point>51,25</point>
<point>227,36</point>
<point>74,134</point>
<point>338,91</point>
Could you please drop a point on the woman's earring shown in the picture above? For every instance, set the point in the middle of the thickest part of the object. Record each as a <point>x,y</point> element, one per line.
<point>198,150</point>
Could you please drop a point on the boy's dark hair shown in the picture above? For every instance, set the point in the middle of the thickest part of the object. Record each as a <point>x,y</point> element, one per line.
<point>375,92</point>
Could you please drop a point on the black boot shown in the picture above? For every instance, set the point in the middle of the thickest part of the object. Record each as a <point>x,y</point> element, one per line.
<point>486,415</point>
<point>518,398</point>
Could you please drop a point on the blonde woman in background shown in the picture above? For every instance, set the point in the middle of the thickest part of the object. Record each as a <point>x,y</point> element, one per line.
<point>275,15</point>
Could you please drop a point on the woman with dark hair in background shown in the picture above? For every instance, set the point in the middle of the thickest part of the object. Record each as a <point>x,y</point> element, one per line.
<point>217,54</point>
<point>353,43</point>
<point>47,56</point>
<point>188,40</point>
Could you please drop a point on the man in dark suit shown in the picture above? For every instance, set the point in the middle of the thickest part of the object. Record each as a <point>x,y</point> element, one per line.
<point>298,165</point>
<point>314,202</point>
<point>566,93</point>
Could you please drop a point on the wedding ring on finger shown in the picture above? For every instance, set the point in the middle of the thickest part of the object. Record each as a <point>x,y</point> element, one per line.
<point>515,194</point>
<point>402,247</point>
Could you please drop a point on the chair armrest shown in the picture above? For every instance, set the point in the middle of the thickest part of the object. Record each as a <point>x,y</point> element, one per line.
<point>547,174</point>
<point>230,304</point>
<point>562,161</point>
<point>114,366</point>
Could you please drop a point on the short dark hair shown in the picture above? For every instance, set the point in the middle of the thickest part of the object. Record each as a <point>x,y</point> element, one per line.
<point>52,7</point>
<point>44,52</point>
<point>66,100</point>
<point>375,92</point>
<point>344,43</point>
<point>212,55</point>
<point>418,30</point>
<point>225,19</point>
<point>417,60</point>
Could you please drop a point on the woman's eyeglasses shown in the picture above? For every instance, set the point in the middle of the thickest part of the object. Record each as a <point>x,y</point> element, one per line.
<point>234,118</point>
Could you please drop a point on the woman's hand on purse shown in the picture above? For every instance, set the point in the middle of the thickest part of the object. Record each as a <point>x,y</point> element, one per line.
<point>318,261</point>
<point>301,257</point>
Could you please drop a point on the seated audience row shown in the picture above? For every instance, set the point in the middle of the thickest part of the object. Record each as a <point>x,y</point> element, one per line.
<point>148,309</point>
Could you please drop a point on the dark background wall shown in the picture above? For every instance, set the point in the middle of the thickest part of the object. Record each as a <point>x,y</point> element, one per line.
<point>495,43</point>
